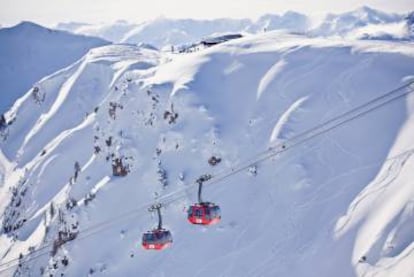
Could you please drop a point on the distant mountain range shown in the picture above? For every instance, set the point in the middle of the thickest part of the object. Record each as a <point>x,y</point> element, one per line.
<point>366,23</point>
<point>165,31</point>
<point>341,24</point>
<point>362,23</point>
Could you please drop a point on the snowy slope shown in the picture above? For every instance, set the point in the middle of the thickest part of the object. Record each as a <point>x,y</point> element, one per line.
<point>28,52</point>
<point>313,210</point>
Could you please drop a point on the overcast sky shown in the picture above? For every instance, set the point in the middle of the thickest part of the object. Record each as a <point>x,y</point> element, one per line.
<point>50,12</point>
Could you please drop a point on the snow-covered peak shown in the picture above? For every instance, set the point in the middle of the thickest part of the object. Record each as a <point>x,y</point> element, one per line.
<point>373,15</point>
<point>27,26</point>
<point>290,21</point>
<point>340,24</point>
<point>29,51</point>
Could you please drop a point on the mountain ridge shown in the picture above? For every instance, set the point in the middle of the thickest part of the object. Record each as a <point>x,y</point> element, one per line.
<point>29,51</point>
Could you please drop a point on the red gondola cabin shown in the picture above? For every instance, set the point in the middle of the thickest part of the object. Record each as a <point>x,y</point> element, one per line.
<point>205,213</point>
<point>157,239</point>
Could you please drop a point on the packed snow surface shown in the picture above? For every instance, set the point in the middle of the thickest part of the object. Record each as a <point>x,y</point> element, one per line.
<point>338,204</point>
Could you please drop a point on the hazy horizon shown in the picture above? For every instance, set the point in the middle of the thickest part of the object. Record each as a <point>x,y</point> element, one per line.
<point>53,12</point>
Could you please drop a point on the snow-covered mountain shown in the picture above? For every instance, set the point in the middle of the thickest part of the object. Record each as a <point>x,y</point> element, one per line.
<point>388,31</point>
<point>114,32</point>
<point>399,30</point>
<point>289,21</point>
<point>340,24</point>
<point>29,51</point>
<point>363,23</point>
<point>166,31</point>
<point>338,204</point>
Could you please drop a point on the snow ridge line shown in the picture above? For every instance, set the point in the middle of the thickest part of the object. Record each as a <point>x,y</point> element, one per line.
<point>63,94</point>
